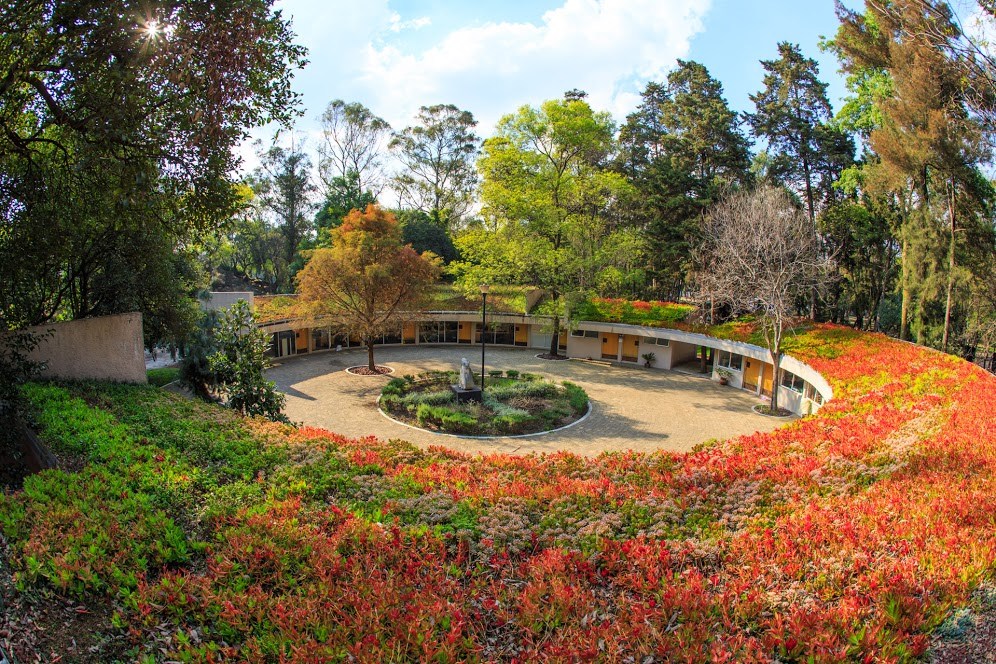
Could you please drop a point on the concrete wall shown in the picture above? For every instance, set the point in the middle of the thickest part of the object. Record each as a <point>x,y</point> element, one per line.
<point>104,348</point>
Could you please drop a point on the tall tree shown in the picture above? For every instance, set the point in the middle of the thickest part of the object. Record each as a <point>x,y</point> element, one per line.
<point>368,282</point>
<point>352,148</point>
<point>437,156</point>
<point>925,139</point>
<point>681,149</point>
<point>284,187</point>
<point>758,255</point>
<point>793,115</point>
<point>118,131</point>
<point>543,175</point>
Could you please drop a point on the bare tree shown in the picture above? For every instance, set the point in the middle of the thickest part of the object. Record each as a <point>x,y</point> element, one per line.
<point>759,256</point>
<point>352,147</point>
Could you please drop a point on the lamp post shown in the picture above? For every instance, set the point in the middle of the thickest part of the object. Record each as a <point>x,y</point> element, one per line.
<point>485,289</point>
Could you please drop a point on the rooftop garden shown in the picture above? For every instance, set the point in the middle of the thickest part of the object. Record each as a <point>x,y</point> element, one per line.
<point>177,531</point>
<point>632,312</point>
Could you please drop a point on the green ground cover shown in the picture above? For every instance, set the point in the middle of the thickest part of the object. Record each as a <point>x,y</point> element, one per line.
<point>513,404</point>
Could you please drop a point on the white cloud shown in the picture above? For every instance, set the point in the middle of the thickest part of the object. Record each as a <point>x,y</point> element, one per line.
<point>605,47</point>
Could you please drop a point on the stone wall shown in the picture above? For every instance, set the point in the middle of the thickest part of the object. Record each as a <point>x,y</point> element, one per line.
<point>104,348</point>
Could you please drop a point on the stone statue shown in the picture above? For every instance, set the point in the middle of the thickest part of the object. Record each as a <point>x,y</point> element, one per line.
<point>466,375</point>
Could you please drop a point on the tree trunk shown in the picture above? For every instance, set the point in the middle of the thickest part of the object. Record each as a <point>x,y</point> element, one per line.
<point>951,269</point>
<point>555,337</point>
<point>776,362</point>
<point>904,313</point>
<point>370,354</point>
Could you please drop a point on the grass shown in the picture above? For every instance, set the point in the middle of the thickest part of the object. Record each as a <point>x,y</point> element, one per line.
<point>162,376</point>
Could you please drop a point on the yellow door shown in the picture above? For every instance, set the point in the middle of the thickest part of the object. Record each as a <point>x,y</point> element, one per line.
<point>562,340</point>
<point>408,333</point>
<point>610,346</point>
<point>751,372</point>
<point>301,338</point>
<point>465,332</point>
<point>521,335</point>
<point>767,372</point>
<point>631,348</point>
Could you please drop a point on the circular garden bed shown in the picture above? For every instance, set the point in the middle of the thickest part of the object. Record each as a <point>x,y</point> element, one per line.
<point>513,404</point>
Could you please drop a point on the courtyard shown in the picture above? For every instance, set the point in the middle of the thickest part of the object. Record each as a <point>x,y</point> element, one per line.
<point>632,408</point>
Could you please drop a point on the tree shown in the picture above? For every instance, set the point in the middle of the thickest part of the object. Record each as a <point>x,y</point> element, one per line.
<point>118,132</point>
<point>758,256</point>
<point>227,360</point>
<point>284,187</point>
<point>423,234</point>
<point>352,146</point>
<point>342,196</point>
<point>546,192</point>
<point>793,115</point>
<point>368,282</point>
<point>682,149</point>
<point>927,144</point>
<point>437,157</point>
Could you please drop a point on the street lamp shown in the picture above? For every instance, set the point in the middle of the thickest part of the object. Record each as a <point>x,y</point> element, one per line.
<point>485,289</point>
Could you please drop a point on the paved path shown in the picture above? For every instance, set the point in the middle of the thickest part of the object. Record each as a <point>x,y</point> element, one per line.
<point>633,408</point>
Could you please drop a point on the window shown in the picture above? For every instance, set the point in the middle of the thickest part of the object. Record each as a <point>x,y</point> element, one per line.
<point>591,334</point>
<point>792,382</point>
<point>654,341</point>
<point>729,360</point>
<point>813,394</point>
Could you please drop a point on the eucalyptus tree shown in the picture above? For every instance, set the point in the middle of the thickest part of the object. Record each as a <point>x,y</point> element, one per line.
<point>437,157</point>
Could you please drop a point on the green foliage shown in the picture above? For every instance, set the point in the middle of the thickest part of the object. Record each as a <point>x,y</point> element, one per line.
<point>162,376</point>
<point>437,155</point>
<point>117,157</point>
<point>228,358</point>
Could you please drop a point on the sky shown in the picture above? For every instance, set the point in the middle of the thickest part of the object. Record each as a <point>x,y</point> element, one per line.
<point>492,56</point>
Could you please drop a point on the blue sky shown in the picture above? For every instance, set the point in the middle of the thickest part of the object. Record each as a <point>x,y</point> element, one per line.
<point>491,56</point>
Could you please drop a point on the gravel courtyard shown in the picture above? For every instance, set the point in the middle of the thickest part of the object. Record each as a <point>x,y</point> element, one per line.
<point>632,408</point>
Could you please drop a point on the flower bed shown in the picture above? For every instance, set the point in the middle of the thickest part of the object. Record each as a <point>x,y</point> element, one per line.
<point>511,405</point>
<point>851,535</point>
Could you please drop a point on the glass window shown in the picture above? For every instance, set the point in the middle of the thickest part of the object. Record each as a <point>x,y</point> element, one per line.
<point>654,341</point>
<point>792,382</point>
<point>813,394</point>
<point>730,360</point>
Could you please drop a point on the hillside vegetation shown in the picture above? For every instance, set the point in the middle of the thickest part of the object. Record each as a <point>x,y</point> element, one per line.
<point>195,535</point>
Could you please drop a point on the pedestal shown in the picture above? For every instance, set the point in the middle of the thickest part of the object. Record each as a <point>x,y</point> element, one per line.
<point>462,395</point>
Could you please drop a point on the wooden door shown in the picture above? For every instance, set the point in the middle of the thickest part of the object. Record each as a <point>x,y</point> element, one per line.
<point>752,369</point>
<point>631,348</point>
<point>465,331</point>
<point>610,346</point>
<point>521,335</point>
<point>767,373</point>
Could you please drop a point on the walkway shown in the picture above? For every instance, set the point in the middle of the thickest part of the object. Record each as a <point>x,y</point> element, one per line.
<point>633,408</point>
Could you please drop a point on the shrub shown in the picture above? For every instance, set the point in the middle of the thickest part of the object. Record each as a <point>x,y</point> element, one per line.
<point>576,396</point>
<point>512,373</point>
<point>530,376</point>
<point>495,373</point>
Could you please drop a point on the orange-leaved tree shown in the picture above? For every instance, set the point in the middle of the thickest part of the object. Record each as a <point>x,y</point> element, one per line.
<point>368,283</point>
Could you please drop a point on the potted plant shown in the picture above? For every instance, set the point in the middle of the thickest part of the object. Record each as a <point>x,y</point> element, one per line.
<point>648,359</point>
<point>724,376</point>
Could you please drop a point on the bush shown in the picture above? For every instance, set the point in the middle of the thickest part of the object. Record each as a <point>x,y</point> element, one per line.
<point>530,376</point>
<point>512,373</point>
<point>577,397</point>
<point>495,373</point>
